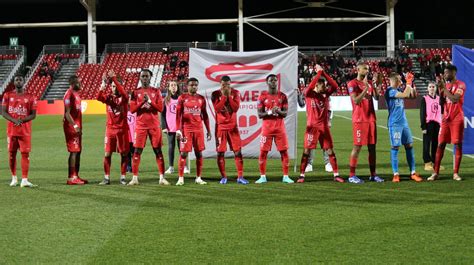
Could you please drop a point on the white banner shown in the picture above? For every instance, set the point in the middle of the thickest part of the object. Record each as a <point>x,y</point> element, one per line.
<point>248,71</point>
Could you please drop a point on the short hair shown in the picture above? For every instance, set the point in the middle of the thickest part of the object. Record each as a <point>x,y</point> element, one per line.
<point>270,76</point>
<point>225,78</point>
<point>146,70</point>
<point>393,75</point>
<point>432,83</point>
<point>452,67</point>
<point>361,62</point>
<point>18,75</point>
<point>321,80</point>
<point>191,79</point>
<point>72,79</point>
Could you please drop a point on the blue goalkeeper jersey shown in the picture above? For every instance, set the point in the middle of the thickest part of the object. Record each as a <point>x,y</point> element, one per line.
<point>396,108</point>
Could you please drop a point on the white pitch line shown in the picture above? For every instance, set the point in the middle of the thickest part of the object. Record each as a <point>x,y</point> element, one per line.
<point>414,137</point>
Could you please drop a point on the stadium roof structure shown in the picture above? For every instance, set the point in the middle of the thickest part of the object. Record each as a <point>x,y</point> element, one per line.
<point>357,16</point>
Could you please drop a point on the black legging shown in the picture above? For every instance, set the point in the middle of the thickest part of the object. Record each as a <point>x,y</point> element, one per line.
<point>430,142</point>
<point>172,141</point>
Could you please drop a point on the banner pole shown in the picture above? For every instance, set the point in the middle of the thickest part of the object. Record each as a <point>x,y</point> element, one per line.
<point>295,143</point>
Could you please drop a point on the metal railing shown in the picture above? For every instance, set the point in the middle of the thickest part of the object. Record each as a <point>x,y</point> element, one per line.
<point>12,68</point>
<point>374,51</point>
<point>436,43</point>
<point>160,47</point>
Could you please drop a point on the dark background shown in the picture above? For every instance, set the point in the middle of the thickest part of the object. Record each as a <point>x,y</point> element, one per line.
<point>436,19</point>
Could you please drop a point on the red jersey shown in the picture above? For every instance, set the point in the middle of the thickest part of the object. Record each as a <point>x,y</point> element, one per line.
<point>117,107</point>
<point>364,111</point>
<point>453,111</point>
<point>268,101</point>
<point>317,104</point>
<point>226,108</point>
<point>19,106</point>
<point>147,112</point>
<point>73,100</point>
<point>191,112</point>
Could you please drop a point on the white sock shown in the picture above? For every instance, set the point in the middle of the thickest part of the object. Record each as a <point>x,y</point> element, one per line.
<point>396,173</point>
<point>161,177</point>
<point>336,174</point>
<point>263,176</point>
<point>413,172</point>
<point>122,177</point>
<point>106,177</point>
<point>301,175</point>
<point>14,178</point>
<point>285,176</point>
<point>135,178</point>
<point>198,178</point>
<point>181,179</point>
<point>24,180</point>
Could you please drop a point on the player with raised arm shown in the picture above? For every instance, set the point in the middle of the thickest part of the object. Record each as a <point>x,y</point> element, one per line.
<point>452,125</point>
<point>364,127</point>
<point>226,103</point>
<point>116,130</point>
<point>317,127</point>
<point>398,129</point>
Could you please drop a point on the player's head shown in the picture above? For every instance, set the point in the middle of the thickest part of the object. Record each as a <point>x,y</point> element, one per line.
<point>74,82</point>
<point>432,88</point>
<point>192,85</point>
<point>450,72</point>
<point>114,87</point>
<point>272,81</point>
<point>362,69</point>
<point>18,81</point>
<point>145,77</point>
<point>225,81</point>
<point>395,80</point>
<point>172,87</point>
<point>321,85</point>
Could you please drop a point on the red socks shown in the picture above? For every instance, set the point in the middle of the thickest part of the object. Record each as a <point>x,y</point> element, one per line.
<point>457,159</point>
<point>285,162</point>
<point>107,162</point>
<point>25,164</point>
<point>221,165</point>
<point>262,161</point>
<point>239,163</point>
<point>198,166</point>
<point>12,163</point>
<point>181,165</point>
<point>352,165</point>
<point>439,157</point>
<point>304,163</point>
<point>135,163</point>
<point>333,161</point>
<point>161,163</point>
<point>123,165</point>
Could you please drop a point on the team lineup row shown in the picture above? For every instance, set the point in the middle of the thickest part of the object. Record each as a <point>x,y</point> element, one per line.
<point>181,117</point>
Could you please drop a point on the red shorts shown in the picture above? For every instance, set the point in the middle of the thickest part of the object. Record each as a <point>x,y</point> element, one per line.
<point>141,135</point>
<point>22,142</point>
<point>192,140</point>
<point>321,135</point>
<point>451,132</point>
<point>281,141</point>
<point>364,133</point>
<point>228,136</point>
<point>73,141</point>
<point>116,141</point>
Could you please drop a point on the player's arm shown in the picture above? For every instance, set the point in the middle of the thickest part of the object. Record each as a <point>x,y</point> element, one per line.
<point>179,114</point>
<point>453,97</point>
<point>205,118</point>
<point>407,93</point>
<point>234,101</point>
<point>120,88</point>
<point>423,114</point>
<point>134,104</point>
<point>357,98</point>
<point>164,124</point>
<point>157,103</point>
<point>7,115</point>
<point>313,83</point>
<point>219,104</point>
<point>67,115</point>
<point>30,117</point>
<point>333,86</point>
<point>283,111</point>
<point>261,109</point>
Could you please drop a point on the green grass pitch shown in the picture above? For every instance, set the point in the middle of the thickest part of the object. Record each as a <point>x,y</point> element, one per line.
<point>317,222</point>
